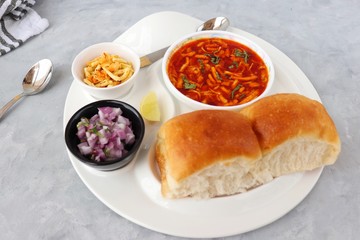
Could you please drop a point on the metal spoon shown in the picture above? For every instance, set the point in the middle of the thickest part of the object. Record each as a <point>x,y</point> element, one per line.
<point>34,82</point>
<point>218,23</point>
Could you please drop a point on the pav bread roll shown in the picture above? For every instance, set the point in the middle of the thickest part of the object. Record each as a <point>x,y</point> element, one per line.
<point>295,134</point>
<point>210,153</point>
<point>206,153</point>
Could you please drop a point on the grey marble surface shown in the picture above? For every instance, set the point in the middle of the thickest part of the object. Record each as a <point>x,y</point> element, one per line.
<point>42,197</point>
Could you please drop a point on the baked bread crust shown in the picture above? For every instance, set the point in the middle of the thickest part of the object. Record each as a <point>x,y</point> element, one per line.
<point>211,153</point>
<point>280,117</point>
<point>193,141</point>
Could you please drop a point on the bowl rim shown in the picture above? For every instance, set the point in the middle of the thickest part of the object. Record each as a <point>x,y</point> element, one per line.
<point>102,103</point>
<point>219,34</point>
<point>76,60</point>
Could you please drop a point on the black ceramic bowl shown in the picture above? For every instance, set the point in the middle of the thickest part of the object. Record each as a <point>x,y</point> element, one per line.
<point>90,110</point>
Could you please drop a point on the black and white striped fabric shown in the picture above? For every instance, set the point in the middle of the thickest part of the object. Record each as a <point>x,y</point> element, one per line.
<point>18,22</point>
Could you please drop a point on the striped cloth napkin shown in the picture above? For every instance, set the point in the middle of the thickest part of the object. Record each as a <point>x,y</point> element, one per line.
<point>18,22</point>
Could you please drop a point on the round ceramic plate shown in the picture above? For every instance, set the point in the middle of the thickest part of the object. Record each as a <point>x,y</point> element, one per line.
<point>134,191</point>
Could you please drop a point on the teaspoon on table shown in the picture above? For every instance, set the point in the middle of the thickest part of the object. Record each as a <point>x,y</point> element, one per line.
<point>34,82</point>
<point>217,23</point>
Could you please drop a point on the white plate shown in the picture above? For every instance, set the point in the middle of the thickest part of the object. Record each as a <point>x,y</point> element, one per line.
<point>134,191</point>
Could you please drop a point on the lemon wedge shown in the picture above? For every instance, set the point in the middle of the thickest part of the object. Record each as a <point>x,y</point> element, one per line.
<point>149,107</point>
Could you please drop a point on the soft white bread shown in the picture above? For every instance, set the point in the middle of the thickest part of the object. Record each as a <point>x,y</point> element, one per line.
<point>295,134</point>
<point>206,153</point>
<point>212,153</point>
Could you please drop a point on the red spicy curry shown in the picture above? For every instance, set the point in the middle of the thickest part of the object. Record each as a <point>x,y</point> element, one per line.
<point>217,71</point>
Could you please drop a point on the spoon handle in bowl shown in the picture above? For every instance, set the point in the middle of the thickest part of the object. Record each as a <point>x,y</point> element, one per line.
<point>7,106</point>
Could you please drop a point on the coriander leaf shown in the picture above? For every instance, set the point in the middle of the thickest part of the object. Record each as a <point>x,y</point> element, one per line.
<point>218,76</point>
<point>237,52</point>
<point>242,54</point>
<point>202,67</point>
<point>213,58</point>
<point>84,122</point>
<point>242,96</point>
<point>234,90</point>
<point>234,65</point>
<point>107,152</point>
<point>187,84</point>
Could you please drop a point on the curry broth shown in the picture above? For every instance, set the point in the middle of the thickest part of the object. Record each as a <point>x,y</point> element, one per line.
<point>217,71</point>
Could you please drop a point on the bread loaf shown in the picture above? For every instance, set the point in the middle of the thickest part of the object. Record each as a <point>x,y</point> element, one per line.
<point>295,133</point>
<point>210,153</point>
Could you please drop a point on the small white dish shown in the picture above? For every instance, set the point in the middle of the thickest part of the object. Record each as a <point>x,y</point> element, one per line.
<point>96,50</point>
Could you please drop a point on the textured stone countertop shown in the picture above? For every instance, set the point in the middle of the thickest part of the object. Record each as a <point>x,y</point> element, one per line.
<point>41,195</point>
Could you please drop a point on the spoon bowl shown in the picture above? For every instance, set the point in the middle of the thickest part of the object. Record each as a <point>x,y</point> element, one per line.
<point>34,82</point>
<point>37,77</point>
<point>217,23</point>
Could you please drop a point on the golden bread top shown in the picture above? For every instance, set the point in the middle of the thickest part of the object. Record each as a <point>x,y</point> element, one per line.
<point>280,117</point>
<point>192,141</point>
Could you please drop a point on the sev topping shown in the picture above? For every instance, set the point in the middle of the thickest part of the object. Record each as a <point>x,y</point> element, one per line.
<point>107,70</point>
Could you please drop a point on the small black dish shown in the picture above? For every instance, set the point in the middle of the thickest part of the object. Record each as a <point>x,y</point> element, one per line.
<point>90,110</point>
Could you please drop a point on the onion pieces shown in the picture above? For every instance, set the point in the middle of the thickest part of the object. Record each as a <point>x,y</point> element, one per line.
<point>103,137</point>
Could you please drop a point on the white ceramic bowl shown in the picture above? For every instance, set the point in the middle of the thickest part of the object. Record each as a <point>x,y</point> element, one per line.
<point>96,50</point>
<point>195,105</point>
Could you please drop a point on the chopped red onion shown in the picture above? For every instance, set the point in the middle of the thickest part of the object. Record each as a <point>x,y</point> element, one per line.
<point>105,134</point>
